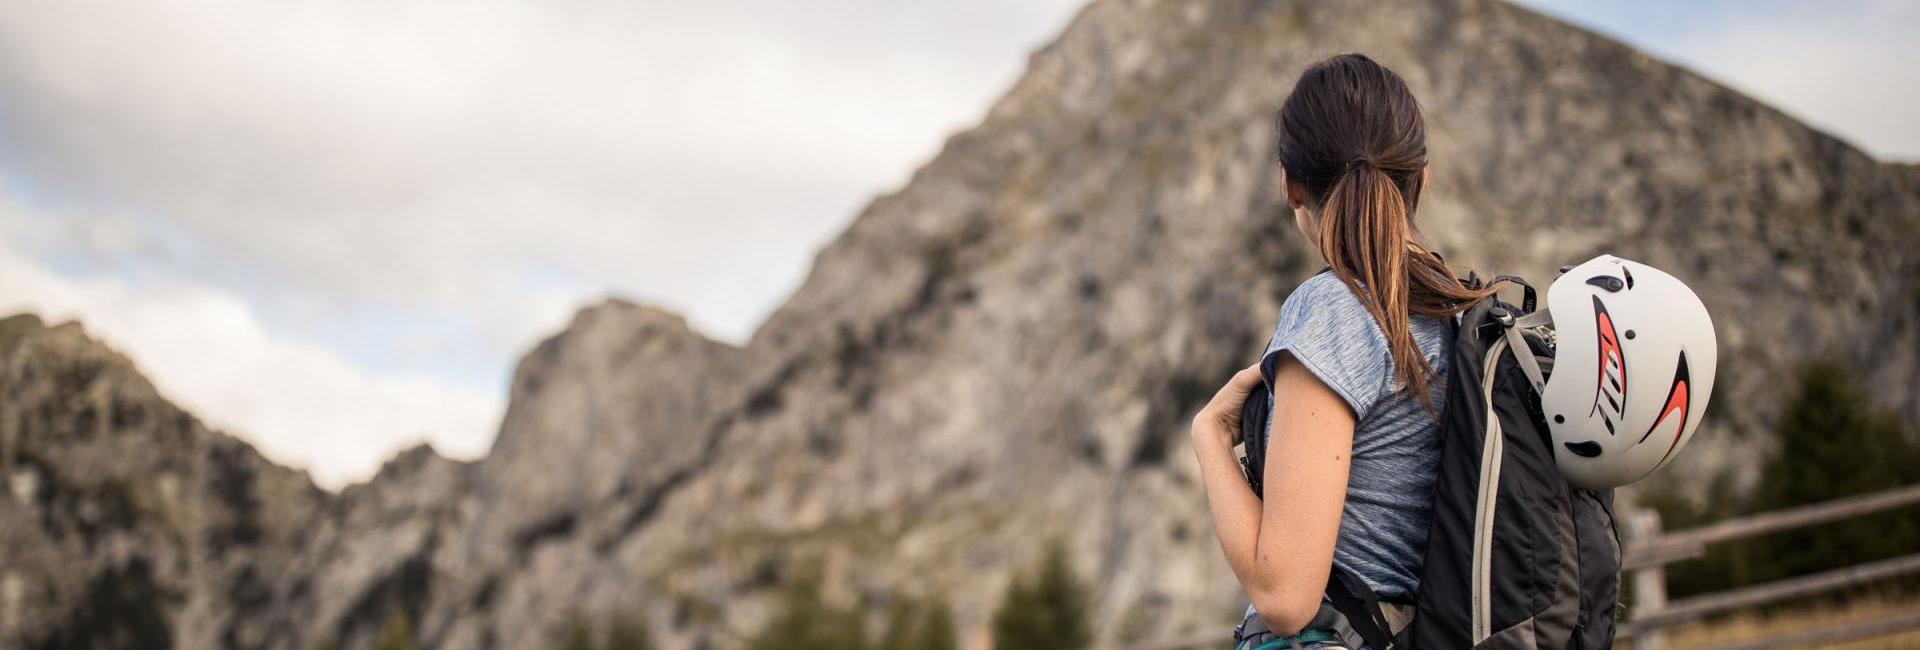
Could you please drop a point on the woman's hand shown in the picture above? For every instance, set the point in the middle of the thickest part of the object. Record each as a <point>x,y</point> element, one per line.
<point>1219,421</point>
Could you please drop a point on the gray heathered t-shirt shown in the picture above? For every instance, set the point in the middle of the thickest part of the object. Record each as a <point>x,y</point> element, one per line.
<point>1396,443</point>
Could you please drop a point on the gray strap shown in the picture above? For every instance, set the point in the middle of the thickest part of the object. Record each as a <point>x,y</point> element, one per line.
<point>1517,344</point>
<point>1539,318</point>
<point>1398,616</point>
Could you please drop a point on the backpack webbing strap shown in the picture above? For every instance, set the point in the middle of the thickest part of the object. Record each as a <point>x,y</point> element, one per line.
<point>1529,298</point>
<point>1517,345</point>
<point>1356,601</point>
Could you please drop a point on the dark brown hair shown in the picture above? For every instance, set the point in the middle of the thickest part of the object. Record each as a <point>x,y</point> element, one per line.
<point>1352,137</point>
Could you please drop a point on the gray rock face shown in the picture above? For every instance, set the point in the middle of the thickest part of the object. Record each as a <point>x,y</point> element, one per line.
<point>609,406</point>
<point>1002,353</point>
<point>125,522</point>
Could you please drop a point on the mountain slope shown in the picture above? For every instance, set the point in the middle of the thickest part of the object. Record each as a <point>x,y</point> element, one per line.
<point>127,522</point>
<point>1004,352</point>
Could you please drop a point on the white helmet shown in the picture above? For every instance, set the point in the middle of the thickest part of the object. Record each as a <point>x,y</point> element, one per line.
<point>1632,369</point>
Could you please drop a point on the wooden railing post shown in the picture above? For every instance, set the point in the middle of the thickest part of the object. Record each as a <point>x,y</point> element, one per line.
<point>1649,582</point>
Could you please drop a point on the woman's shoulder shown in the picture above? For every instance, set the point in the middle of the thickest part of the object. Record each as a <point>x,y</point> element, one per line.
<point>1324,325</point>
<point>1326,300</point>
<point>1324,313</point>
<point>1326,305</point>
<point>1323,287</point>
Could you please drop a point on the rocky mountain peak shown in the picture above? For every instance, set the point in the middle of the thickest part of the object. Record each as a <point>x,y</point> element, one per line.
<point>128,522</point>
<point>608,396</point>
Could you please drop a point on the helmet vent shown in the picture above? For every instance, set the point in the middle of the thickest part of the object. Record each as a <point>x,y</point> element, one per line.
<point>1587,449</point>
<point>1608,282</point>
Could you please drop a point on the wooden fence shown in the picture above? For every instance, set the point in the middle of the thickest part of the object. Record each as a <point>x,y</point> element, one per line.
<point>1650,549</point>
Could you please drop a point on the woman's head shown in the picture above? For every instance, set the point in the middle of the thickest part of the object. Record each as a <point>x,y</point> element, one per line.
<point>1350,117</point>
<point>1353,153</point>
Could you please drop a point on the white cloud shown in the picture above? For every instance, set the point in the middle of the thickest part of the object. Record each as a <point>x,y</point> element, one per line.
<point>396,198</point>
<point>298,402</point>
<point>408,153</point>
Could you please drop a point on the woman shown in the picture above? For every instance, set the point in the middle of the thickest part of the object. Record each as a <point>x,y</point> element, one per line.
<point>1360,352</point>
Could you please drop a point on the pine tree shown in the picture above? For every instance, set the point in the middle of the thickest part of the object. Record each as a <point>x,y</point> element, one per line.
<point>807,622</point>
<point>936,627</point>
<point>1018,625</point>
<point>577,635</point>
<point>1050,613</point>
<point>916,626</point>
<point>903,623</point>
<point>1835,442</point>
<point>629,633</point>
<point>397,634</point>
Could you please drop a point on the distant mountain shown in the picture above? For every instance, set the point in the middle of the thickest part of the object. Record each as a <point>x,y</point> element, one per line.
<point>1001,354</point>
<point>126,522</point>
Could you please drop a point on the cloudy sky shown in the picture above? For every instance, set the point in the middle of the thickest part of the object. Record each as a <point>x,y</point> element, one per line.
<point>330,227</point>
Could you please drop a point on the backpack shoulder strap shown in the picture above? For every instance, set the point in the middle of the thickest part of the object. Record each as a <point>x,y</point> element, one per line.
<point>1356,601</point>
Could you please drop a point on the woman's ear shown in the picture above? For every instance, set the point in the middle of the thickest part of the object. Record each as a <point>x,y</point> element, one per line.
<point>1295,194</point>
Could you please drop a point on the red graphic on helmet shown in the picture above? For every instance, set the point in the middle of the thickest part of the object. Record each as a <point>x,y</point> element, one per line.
<point>1611,383</point>
<point>1678,399</point>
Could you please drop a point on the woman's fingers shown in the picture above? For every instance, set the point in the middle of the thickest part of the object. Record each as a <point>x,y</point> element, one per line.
<point>1224,409</point>
<point>1235,393</point>
<point>1246,380</point>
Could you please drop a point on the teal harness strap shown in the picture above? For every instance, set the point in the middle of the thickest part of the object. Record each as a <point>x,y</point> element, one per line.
<point>1316,635</point>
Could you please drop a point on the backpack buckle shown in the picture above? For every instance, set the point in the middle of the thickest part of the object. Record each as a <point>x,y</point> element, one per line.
<point>1501,315</point>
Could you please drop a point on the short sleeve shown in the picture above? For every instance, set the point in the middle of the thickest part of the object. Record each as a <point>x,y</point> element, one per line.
<point>1325,327</point>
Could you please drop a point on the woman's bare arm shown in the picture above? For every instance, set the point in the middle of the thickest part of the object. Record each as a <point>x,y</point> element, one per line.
<point>1281,548</point>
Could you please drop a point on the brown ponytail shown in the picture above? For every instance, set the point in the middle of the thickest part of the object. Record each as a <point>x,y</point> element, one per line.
<point>1352,136</point>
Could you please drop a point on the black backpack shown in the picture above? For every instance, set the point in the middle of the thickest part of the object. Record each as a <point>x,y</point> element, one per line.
<point>1516,557</point>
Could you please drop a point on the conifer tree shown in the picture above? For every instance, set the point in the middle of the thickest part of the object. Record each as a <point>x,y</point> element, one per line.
<point>1047,613</point>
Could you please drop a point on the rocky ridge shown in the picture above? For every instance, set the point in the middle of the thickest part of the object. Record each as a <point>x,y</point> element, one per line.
<point>1000,354</point>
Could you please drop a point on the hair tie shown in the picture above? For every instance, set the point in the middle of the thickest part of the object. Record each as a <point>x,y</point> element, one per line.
<point>1359,161</point>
